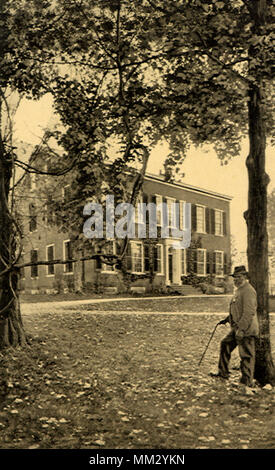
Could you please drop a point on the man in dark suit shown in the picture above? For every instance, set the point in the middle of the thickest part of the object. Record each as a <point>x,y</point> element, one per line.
<point>244,329</point>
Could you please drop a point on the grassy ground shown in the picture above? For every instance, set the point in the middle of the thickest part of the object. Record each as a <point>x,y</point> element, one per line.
<point>185,303</point>
<point>182,304</point>
<point>126,380</point>
<point>34,298</point>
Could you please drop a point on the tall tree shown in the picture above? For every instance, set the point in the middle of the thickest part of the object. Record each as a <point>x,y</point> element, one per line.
<point>220,58</point>
<point>23,29</point>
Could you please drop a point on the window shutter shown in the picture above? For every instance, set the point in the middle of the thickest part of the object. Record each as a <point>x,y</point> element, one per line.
<point>155,258</point>
<point>165,212</point>
<point>177,215</point>
<point>207,220</point>
<point>212,221</point>
<point>195,270</point>
<point>224,222</point>
<point>146,258</point>
<point>153,214</point>
<point>145,201</point>
<point>225,267</point>
<point>188,260</point>
<point>214,263</point>
<point>208,267</point>
<point>194,217</point>
<point>128,258</point>
<point>181,215</point>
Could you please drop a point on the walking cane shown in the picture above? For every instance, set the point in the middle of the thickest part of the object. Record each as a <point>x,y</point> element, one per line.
<point>213,332</point>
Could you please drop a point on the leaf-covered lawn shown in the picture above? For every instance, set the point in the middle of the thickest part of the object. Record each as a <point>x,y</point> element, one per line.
<point>183,304</point>
<point>93,380</point>
<point>173,303</point>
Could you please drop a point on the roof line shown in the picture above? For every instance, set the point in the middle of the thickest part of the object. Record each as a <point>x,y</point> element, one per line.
<point>189,187</point>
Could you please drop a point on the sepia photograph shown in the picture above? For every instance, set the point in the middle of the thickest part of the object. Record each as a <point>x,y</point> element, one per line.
<point>137,232</point>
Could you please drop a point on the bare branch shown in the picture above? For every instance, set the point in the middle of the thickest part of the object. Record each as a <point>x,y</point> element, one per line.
<point>31,169</point>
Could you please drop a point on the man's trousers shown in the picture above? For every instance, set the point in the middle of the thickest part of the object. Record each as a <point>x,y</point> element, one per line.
<point>247,354</point>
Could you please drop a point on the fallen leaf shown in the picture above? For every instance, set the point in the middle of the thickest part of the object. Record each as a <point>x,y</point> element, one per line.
<point>63,420</point>
<point>99,442</point>
<point>268,387</point>
<point>87,385</point>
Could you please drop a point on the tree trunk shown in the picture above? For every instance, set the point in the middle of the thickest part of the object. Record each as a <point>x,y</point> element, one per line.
<point>257,238</point>
<point>11,326</point>
<point>256,216</point>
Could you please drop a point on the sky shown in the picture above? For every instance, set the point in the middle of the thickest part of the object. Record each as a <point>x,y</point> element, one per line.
<point>202,167</point>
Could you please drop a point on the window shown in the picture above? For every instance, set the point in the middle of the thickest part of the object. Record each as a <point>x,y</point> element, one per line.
<point>139,216</point>
<point>34,259</point>
<point>171,212</point>
<point>159,209</point>
<point>200,219</point>
<point>219,263</point>
<point>183,263</point>
<point>137,257</point>
<point>109,249</point>
<point>158,259</point>
<point>50,257</point>
<point>182,213</point>
<point>33,218</point>
<point>218,222</point>
<point>67,247</point>
<point>201,261</point>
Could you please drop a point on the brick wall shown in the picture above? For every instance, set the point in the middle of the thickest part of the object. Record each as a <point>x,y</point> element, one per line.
<point>43,236</point>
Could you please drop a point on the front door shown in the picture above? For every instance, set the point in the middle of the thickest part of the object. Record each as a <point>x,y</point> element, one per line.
<point>173,265</point>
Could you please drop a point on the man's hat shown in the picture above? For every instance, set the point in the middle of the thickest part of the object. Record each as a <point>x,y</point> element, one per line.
<point>239,270</point>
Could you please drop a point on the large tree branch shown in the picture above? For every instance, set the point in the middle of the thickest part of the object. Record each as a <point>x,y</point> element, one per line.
<point>108,259</point>
<point>223,65</point>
